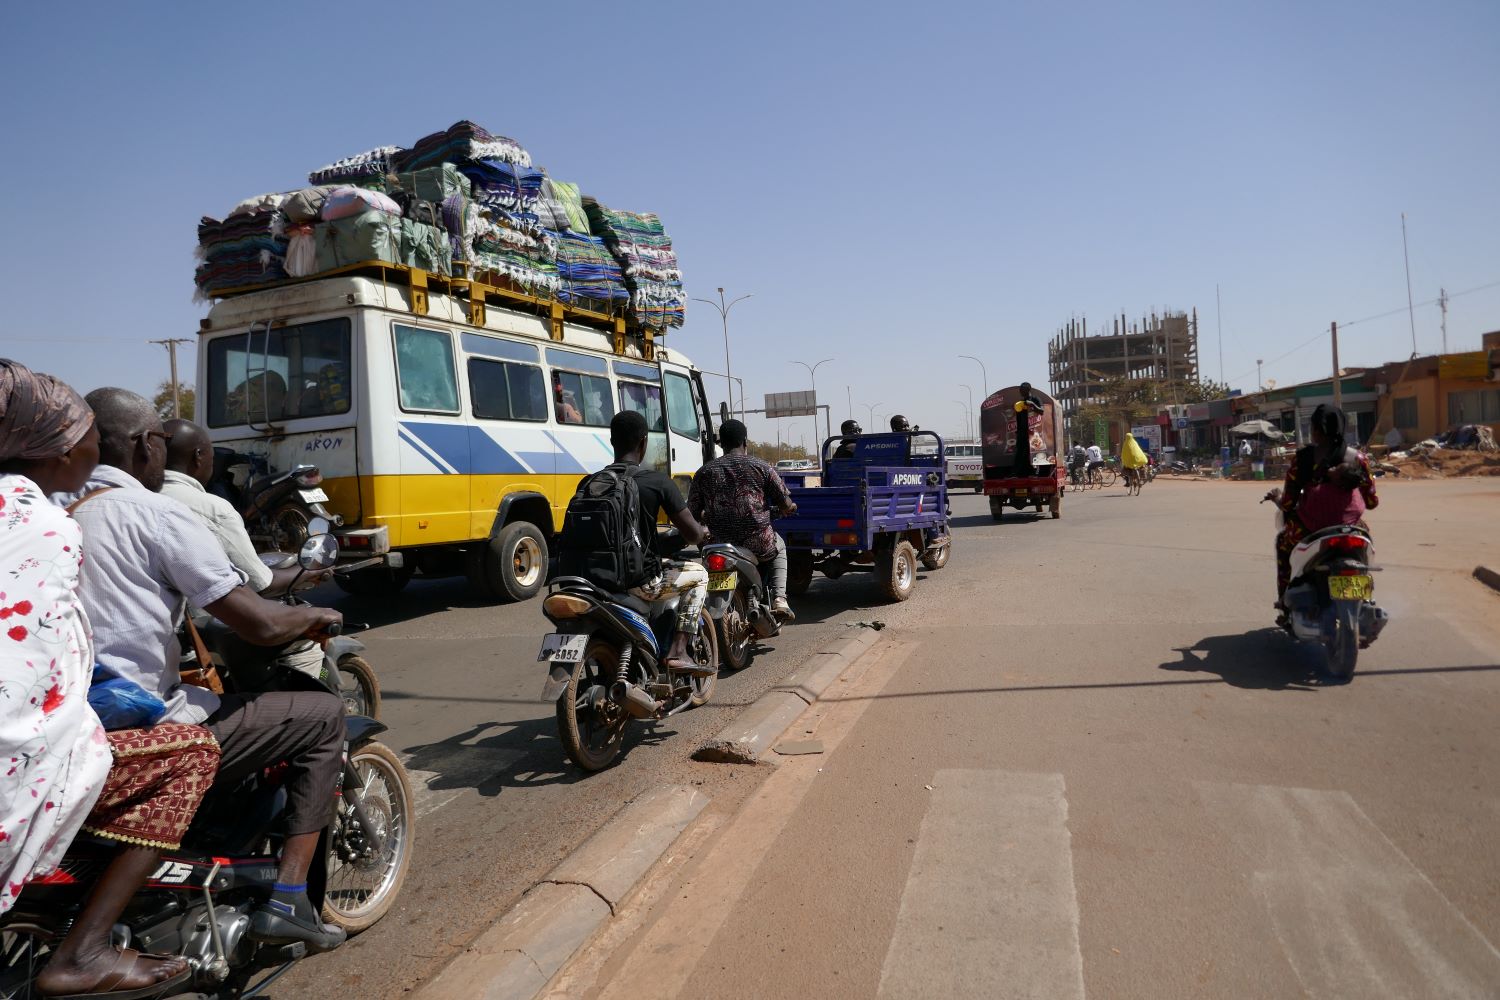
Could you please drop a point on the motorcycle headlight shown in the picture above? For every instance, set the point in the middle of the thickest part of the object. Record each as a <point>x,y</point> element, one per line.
<point>565,606</point>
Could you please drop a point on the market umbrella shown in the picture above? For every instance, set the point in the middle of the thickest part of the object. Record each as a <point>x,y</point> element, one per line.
<point>1258,428</point>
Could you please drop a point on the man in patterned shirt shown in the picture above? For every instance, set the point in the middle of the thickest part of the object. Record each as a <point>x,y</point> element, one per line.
<point>737,495</point>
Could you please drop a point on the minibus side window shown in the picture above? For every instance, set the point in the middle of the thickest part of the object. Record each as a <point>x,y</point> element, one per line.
<point>424,370</point>
<point>504,390</point>
<point>645,400</point>
<point>682,411</point>
<point>582,399</point>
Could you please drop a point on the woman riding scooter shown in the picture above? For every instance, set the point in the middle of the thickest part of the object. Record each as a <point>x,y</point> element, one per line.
<point>1328,483</point>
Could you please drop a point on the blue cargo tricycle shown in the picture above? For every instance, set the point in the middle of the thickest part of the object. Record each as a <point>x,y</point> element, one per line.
<point>880,504</point>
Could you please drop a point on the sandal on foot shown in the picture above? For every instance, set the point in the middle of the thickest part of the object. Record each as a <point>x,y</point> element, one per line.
<point>692,667</point>
<point>124,966</point>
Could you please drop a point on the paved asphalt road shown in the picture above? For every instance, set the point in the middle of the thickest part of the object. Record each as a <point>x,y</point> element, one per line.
<point>1090,768</point>
<point>1132,786</point>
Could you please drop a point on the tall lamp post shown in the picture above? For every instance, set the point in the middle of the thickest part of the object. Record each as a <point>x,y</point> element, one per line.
<point>971,408</point>
<point>982,372</point>
<point>968,417</point>
<point>724,308</point>
<point>812,374</point>
<point>870,412</point>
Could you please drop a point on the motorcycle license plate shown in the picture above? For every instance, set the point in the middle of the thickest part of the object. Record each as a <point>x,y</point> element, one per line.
<point>1351,588</point>
<point>313,496</point>
<point>724,581</point>
<point>561,648</point>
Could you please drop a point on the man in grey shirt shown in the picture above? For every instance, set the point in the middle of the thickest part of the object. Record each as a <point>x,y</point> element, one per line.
<point>190,464</point>
<point>146,558</point>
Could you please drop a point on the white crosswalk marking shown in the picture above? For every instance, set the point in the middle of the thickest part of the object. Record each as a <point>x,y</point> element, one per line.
<point>989,908</point>
<point>1354,917</point>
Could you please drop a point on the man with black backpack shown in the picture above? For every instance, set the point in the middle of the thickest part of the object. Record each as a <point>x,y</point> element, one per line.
<point>609,537</point>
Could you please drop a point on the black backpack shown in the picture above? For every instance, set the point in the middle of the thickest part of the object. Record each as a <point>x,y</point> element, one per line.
<point>601,536</point>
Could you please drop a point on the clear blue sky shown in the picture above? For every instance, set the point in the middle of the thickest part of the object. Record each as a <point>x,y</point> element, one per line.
<point>896,184</point>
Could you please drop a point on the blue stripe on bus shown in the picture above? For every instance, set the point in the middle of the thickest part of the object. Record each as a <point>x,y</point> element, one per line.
<point>567,462</point>
<point>420,449</point>
<point>450,442</point>
<point>487,458</point>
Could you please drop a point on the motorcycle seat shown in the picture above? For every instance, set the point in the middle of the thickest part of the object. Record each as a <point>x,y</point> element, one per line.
<point>640,607</point>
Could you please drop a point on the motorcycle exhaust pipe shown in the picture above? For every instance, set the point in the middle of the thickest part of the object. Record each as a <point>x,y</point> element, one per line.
<point>634,699</point>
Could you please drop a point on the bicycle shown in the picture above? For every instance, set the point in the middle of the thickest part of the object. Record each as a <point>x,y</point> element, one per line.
<point>1102,475</point>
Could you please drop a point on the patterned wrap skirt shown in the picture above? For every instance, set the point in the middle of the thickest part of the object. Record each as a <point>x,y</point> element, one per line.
<point>159,778</point>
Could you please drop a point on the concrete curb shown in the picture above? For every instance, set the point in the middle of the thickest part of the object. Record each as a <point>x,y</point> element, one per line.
<point>519,954</point>
<point>1490,578</point>
<point>762,724</point>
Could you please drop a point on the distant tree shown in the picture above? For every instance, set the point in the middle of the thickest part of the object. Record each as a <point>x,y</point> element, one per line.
<point>1134,401</point>
<point>771,452</point>
<point>187,399</point>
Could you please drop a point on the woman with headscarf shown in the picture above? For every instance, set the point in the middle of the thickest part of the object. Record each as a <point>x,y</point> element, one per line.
<point>62,772</point>
<point>1328,483</point>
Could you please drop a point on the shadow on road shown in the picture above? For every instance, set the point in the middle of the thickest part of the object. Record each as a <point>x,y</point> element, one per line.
<point>523,755</point>
<point>420,598</point>
<point>1263,660</point>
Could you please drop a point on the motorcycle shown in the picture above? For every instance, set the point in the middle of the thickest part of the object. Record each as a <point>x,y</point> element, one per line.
<point>1330,597</point>
<point>739,602</point>
<point>198,901</point>
<point>343,667</point>
<point>278,508</point>
<point>603,666</point>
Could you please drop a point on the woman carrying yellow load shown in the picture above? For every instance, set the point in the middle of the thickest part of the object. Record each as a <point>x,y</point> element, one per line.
<point>1133,463</point>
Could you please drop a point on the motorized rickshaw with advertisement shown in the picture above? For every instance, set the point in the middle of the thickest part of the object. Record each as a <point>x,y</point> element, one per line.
<point>1041,485</point>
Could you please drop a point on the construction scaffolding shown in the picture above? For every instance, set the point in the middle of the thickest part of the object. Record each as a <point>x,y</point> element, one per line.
<point>1163,347</point>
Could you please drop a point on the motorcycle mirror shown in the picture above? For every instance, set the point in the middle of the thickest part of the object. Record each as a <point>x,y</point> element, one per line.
<point>318,526</point>
<point>723,411</point>
<point>319,552</point>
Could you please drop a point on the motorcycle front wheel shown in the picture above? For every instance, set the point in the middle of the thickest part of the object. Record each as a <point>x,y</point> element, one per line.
<point>704,649</point>
<point>358,687</point>
<point>591,726</point>
<point>366,868</point>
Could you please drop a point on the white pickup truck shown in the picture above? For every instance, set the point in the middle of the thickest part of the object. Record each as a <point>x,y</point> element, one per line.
<point>965,466</point>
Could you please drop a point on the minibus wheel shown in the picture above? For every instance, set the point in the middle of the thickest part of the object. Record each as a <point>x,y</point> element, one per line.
<point>513,564</point>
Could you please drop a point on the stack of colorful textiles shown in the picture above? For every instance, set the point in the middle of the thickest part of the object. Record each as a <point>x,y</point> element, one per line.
<point>367,169</point>
<point>560,207</point>
<point>504,186</point>
<point>517,247</point>
<point>589,275</point>
<point>647,260</point>
<point>459,142</point>
<point>245,249</point>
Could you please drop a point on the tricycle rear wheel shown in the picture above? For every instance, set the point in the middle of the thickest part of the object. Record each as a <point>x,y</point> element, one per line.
<point>799,572</point>
<point>896,567</point>
<point>1056,507</point>
<point>997,508</point>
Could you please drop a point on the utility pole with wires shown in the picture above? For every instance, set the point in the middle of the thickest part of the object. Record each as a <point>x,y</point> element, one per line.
<point>1410,310</point>
<point>1338,381</point>
<point>171,344</point>
<point>1219,322</point>
<point>1443,305</point>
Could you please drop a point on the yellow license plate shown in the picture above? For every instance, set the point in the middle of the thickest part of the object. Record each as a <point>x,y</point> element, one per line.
<point>1351,588</point>
<point>1021,492</point>
<point>723,581</point>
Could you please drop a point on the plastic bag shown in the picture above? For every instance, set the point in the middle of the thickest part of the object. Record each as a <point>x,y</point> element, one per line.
<point>123,704</point>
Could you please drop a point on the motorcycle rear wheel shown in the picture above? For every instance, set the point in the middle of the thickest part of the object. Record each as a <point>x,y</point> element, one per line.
<point>736,637</point>
<point>23,954</point>
<point>362,889</point>
<point>592,737</point>
<point>1343,648</point>
<point>704,648</point>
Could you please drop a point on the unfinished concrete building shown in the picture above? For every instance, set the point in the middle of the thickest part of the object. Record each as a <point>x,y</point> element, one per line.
<point>1161,347</point>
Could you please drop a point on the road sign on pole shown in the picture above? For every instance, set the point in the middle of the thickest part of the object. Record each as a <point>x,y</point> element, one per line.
<point>791,404</point>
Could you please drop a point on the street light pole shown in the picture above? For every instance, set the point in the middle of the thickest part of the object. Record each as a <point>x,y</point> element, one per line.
<point>870,415</point>
<point>971,408</point>
<point>724,316</point>
<point>986,374</point>
<point>812,374</point>
<point>968,418</point>
<point>1260,383</point>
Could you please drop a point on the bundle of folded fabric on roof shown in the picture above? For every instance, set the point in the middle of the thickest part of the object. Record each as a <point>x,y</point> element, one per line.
<point>515,246</point>
<point>589,274</point>
<point>462,141</point>
<point>505,186</point>
<point>647,260</point>
<point>560,207</point>
<point>247,247</point>
<point>367,169</point>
